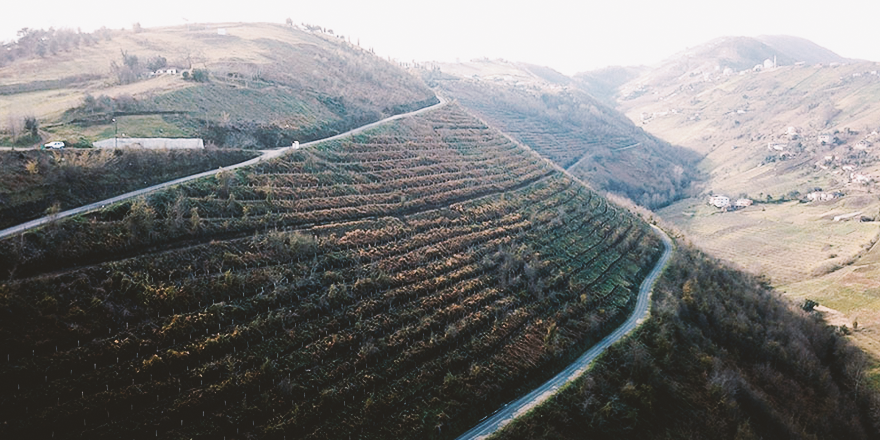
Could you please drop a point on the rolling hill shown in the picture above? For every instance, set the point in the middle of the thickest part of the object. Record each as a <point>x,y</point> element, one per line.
<point>592,141</point>
<point>604,84</point>
<point>780,137</point>
<point>246,85</point>
<point>430,269</point>
<point>734,54</point>
<point>265,86</point>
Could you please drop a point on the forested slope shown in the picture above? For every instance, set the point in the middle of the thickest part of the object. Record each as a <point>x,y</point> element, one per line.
<point>598,144</point>
<point>720,357</point>
<point>401,283</point>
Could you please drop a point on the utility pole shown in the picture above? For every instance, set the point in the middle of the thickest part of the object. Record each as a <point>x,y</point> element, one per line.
<point>115,133</point>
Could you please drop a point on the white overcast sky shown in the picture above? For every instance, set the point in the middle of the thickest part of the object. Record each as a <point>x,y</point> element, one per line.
<point>569,36</point>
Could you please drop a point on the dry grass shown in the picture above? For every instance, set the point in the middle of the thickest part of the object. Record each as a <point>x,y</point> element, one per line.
<point>803,252</point>
<point>797,245</point>
<point>788,242</point>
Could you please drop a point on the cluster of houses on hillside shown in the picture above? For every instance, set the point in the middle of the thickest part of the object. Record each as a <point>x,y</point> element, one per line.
<point>792,143</point>
<point>724,203</point>
<point>822,196</point>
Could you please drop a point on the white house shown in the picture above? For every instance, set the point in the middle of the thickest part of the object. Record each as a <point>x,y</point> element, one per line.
<point>825,138</point>
<point>861,178</point>
<point>821,196</point>
<point>742,203</point>
<point>863,144</point>
<point>719,201</point>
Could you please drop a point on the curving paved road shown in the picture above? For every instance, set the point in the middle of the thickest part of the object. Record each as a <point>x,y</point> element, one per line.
<point>518,407</point>
<point>270,154</point>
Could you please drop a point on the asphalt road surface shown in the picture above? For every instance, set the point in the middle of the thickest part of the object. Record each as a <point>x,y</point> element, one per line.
<point>270,154</point>
<point>518,407</point>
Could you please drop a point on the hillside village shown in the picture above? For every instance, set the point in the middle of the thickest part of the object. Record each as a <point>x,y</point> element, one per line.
<point>843,155</point>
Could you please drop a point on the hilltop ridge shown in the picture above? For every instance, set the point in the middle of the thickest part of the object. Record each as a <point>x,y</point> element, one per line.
<point>732,55</point>
<point>239,85</point>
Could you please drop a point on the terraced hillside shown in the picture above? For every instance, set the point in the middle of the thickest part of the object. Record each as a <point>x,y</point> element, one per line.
<point>577,132</point>
<point>401,283</point>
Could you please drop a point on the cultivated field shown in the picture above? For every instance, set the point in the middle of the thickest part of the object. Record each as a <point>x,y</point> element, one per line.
<point>786,242</point>
<point>401,283</point>
<point>264,85</point>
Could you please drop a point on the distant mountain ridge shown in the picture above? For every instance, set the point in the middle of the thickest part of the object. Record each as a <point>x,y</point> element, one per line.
<point>604,83</point>
<point>801,49</point>
<point>737,54</point>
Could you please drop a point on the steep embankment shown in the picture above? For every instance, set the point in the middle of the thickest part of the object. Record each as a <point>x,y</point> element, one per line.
<point>594,142</point>
<point>720,357</point>
<point>241,85</point>
<point>400,283</point>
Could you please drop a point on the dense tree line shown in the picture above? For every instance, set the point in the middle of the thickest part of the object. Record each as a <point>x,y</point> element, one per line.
<point>36,180</point>
<point>722,356</point>
<point>43,43</point>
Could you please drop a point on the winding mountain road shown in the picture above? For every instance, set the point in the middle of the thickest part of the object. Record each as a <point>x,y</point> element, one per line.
<point>510,411</point>
<point>518,407</point>
<point>270,154</point>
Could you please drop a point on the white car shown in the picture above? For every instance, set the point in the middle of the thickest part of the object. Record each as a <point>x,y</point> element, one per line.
<point>57,145</point>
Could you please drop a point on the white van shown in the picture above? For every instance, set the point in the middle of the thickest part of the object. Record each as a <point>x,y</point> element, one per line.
<point>57,145</point>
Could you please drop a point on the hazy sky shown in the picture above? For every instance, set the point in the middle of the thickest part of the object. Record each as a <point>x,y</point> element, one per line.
<point>569,36</point>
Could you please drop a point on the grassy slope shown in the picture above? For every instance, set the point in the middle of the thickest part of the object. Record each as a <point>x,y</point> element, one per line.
<point>567,126</point>
<point>786,242</point>
<point>720,357</point>
<point>298,84</point>
<point>704,116</point>
<point>402,283</point>
<point>791,243</point>
<point>35,180</point>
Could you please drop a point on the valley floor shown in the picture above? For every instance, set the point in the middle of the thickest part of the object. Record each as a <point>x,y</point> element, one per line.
<point>801,250</point>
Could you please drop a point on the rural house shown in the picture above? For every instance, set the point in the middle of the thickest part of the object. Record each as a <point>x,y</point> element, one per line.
<point>719,201</point>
